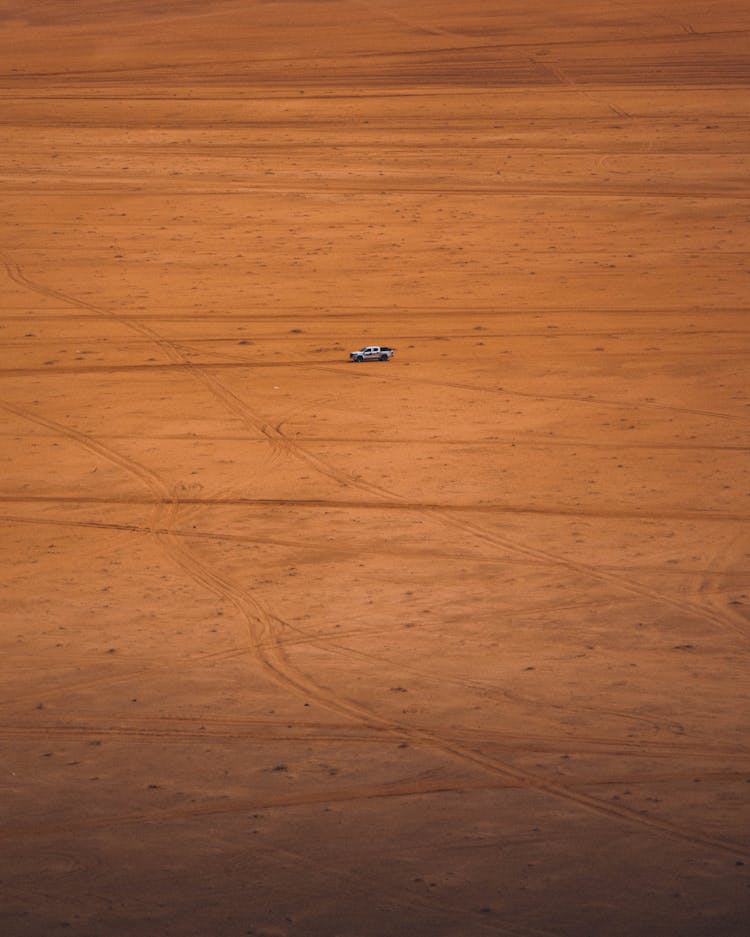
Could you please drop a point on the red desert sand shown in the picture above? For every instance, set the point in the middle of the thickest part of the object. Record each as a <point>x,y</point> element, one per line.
<point>450,645</point>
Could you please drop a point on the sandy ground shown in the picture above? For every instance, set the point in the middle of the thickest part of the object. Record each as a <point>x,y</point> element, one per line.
<point>447,646</point>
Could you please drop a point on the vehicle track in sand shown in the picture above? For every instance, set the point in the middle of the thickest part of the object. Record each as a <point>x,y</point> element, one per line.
<point>428,782</point>
<point>270,653</point>
<point>192,533</point>
<point>181,729</point>
<point>589,400</point>
<point>439,513</point>
<point>419,896</point>
<point>480,313</point>
<point>606,191</point>
<point>234,403</point>
<point>554,69</point>
<point>479,508</point>
<point>622,583</point>
<point>496,441</point>
<point>710,583</point>
<point>263,632</point>
<point>402,896</point>
<point>489,690</point>
<point>49,692</point>
<point>332,637</point>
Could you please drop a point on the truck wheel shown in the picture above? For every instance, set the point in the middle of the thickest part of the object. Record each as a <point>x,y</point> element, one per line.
<point>384,357</point>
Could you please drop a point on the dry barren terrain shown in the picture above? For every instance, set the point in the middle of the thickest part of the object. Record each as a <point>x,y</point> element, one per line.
<point>451,645</point>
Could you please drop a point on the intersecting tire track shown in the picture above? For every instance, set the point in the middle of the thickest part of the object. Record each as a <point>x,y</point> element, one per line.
<point>237,406</point>
<point>486,690</point>
<point>261,624</point>
<point>269,652</point>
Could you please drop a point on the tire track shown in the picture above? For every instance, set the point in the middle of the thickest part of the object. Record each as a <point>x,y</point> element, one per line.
<point>47,693</point>
<point>484,689</point>
<point>350,504</point>
<point>265,639</point>
<point>234,404</point>
<point>381,12</point>
<point>573,398</point>
<point>200,535</point>
<point>170,349</point>
<point>559,75</point>
<point>236,365</point>
<point>446,517</point>
<point>195,731</point>
<point>378,187</point>
<point>325,639</point>
<point>406,787</point>
<point>270,653</point>
<point>161,492</point>
<point>424,312</point>
<point>720,619</point>
<point>597,573</point>
<point>489,690</point>
<point>710,583</point>
<point>183,729</point>
<point>406,896</point>
<point>237,406</point>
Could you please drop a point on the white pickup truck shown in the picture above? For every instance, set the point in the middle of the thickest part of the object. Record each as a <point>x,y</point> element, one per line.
<point>372,353</point>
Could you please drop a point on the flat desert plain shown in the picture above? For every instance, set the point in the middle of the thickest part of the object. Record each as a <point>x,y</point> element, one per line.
<point>455,644</point>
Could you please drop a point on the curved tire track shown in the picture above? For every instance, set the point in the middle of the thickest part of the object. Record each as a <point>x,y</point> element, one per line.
<point>270,653</point>
<point>261,624</point>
